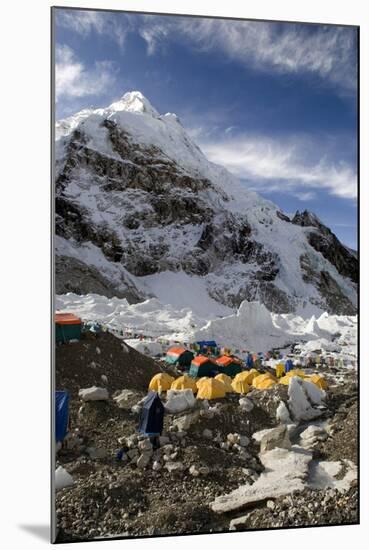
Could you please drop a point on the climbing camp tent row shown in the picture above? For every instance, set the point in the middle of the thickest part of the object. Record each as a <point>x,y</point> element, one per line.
<point>242,383</point>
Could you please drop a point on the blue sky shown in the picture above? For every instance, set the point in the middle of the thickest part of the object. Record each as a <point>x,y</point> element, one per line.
<point>273,102</point>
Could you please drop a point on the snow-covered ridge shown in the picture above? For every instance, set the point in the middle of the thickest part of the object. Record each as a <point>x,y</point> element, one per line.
<point>128,175</point>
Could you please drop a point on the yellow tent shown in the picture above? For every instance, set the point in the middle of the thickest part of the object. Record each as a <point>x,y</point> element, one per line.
<point>319,381</point>
<point>285,380</point>
<point>264,381</point>
<point>240,386</point>
<point>280,370</point>
<point>266,384</point>
<point>211,389</point>
<point>247,376</point>
<point>296,372</point>
<point>161,382</point>
<point>201,380</point>
<point>227,381</point>
<point>287,377</point>
<point>183,383</point>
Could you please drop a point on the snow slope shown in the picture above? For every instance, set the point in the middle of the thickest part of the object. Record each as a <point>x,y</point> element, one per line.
<point>139,201</point>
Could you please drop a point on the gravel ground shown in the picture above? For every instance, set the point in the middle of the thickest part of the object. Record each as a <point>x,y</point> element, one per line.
<point>116,498</point>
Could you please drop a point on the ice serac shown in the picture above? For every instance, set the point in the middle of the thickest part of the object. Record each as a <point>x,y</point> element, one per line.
<point>139,205</point>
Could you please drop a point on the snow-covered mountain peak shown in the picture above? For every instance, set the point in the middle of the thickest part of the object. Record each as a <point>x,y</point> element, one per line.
<point>134,102</point>
<point>138,204</point>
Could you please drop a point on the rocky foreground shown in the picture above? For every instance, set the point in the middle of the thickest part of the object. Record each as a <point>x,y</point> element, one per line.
<point>221,466</point>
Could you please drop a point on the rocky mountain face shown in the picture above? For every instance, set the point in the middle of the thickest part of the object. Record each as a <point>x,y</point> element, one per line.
<point>136,199</point>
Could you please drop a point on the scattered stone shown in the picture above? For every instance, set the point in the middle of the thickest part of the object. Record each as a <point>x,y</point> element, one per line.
<point>246,404</point>
<point>174,466</point>
<point>232,438</point>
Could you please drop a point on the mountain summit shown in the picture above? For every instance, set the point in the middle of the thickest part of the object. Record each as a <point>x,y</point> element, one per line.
<point>134,102</point>
<point>140,211</point>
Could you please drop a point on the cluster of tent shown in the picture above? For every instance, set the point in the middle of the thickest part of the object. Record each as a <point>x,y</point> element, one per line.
<point>203,365</point>
<point>218,386</point>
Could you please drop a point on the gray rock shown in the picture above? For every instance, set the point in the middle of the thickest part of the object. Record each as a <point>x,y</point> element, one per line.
<point>132,454</point>
<point>96,453</point>
<point>144,459</point>
<point>277,437</point>
<point>244,441</point>
<point>174,466</point>
<point>238,523</point>
<point>145,445</point>
<point>246,404</point>
<point>194,471</point>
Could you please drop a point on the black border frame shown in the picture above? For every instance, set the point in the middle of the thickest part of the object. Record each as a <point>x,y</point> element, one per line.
<point>53,527</point>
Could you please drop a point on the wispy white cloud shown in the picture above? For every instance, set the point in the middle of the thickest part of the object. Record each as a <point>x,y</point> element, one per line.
<point>270,165</point>
<point>73,79</point>
<point>113,26</point>
<point>328,52</point>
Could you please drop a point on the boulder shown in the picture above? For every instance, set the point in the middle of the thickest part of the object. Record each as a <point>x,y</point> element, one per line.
<point>312,435</point>
<point>276,437</point>
<point>125,399</point>
<point>304,399</point>
<point>94,394</point>
<point>144,459</point>
<point>246,404</point>
<point>62,478</point>
<point>184,422</point>
<point>283,414</point>
<point>179,401</point>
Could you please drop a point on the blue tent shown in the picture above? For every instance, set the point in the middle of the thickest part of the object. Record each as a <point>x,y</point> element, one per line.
<point>152,415</point>
<point>206,344</point>
<point>61,414</point>
<point>288,365</point>
<point>249,361</point>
